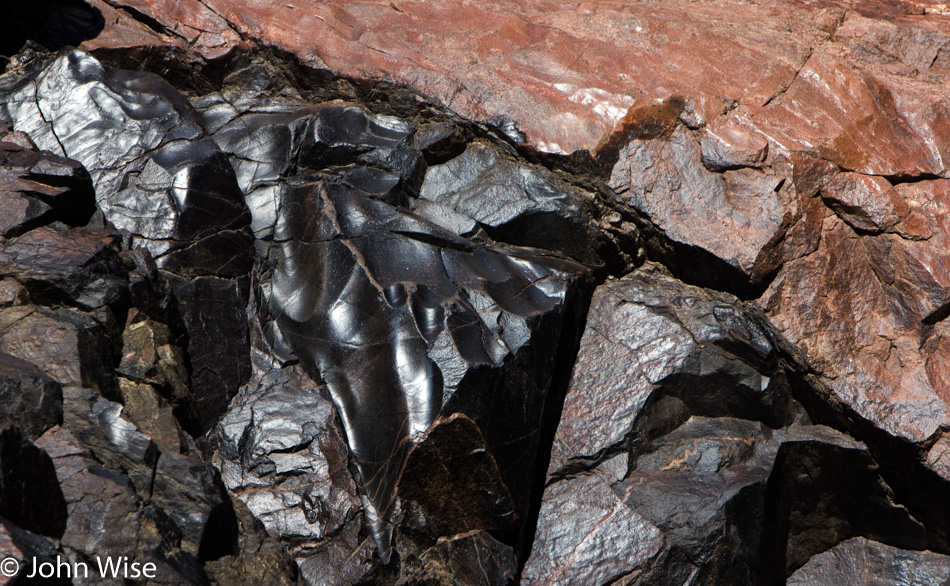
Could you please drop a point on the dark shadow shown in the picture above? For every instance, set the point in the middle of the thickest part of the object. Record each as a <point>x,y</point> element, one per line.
<point>50,23</point>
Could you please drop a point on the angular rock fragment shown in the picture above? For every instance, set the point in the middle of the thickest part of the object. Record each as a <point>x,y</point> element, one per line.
<point>862,561</point>
<point>12,293</point>
<point>739,215</point>
<point>77,266</point>
<point>650,343</point>
<point>154,173</point>
<point>28,397</point>
<point>586,534</point>
<point>68,346</point>
<point>282,453</point>
<point>869,312</point>
<point>27,549</point>
<point>37,188</point>
<point>474,558</point>
<point>683,418</point>
<point>511,202</point>
<point>727,144</point>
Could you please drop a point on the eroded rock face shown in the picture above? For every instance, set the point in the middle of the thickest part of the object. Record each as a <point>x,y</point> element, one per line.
<point>722,144</point>
<point>160,179</point>
<point>327,276</point>
<point>682,431</point>
<point>862,561</point>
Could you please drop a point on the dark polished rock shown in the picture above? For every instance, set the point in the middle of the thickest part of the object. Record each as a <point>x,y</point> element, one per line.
<point>403,321</point>
<point>353,270</point>
<point>158,177</point>
<point>282,453</point>
<point>154,172</point>
<point>28,398</point>
<point>428,322</point>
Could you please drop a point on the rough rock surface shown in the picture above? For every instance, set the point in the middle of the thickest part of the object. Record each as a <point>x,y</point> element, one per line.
<point>732,150</point>
<point>704,464</point>
<point>862,561</point>
<point>82,475</point>
<point>356,305</point>
<point>158,178</point>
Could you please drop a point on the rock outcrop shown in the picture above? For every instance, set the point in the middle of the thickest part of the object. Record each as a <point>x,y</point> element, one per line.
<point>385,292</point>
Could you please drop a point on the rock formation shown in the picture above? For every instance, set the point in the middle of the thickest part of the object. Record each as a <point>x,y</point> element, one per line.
<point>542,293</point>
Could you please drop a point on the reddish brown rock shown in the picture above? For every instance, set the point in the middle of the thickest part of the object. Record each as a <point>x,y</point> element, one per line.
<point>862,201</point>
<point>38,187</point>
<point>869,311</point>
<point>740,215</point>
<point>69,347</point>
<point>854,119</point>
<point>77,266</point>
<point>567,73</point>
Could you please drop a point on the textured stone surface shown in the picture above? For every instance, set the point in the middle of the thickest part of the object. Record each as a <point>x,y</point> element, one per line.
<point>566,75</point>
<point>862,561</point>
<point>28,398</point>
<point>38,187</point>
<point>868,310</point>
<point>601,539</point>
<point>159,178</point>
<point>718,140</point>
<point>324,273</point>
<point>683,451</point>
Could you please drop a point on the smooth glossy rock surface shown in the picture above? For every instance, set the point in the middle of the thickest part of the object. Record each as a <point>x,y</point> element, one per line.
<point>403,320</point>
<point>327,277</point>
<point>158,177</point>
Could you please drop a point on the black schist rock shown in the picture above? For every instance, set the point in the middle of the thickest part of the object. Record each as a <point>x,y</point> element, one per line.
<point>159,179</point>
<point>329,334</point>
<point>433,344</point>
<point>406,323</point>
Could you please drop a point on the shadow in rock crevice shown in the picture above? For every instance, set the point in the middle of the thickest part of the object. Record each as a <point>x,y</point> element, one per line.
<point>52,24</point>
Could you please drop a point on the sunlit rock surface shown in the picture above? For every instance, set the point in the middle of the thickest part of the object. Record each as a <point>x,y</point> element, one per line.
<point>404,321</point>
<point>363,307</point>
<point>160,180</point>
<point>703,464</point>
<point>863,561</point>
